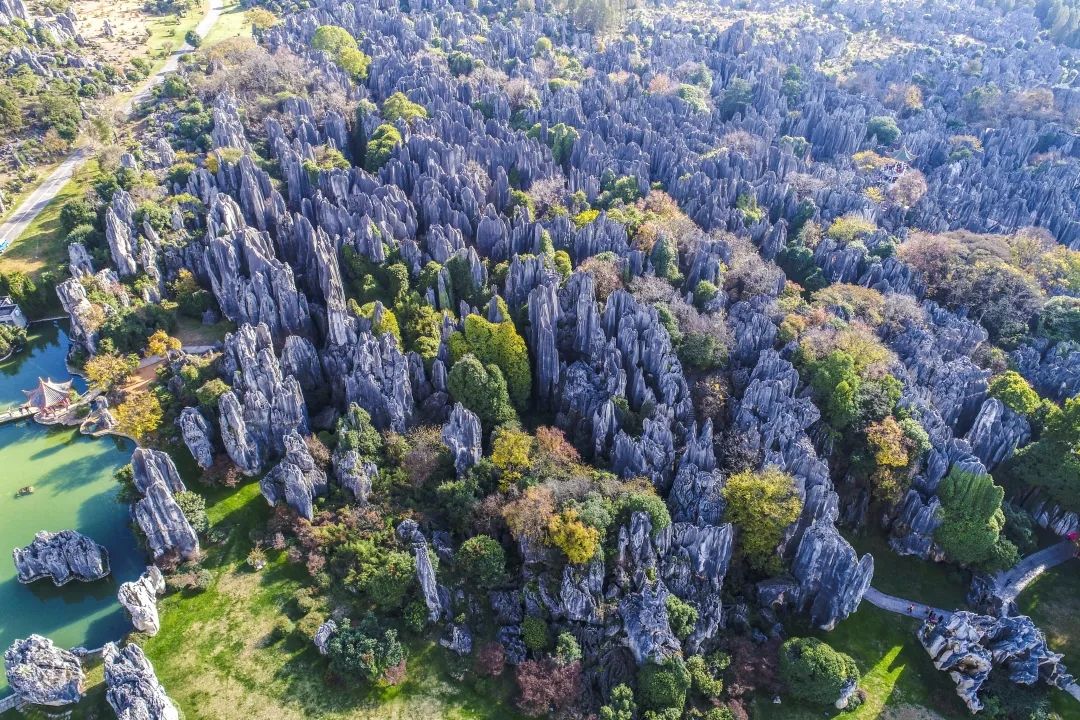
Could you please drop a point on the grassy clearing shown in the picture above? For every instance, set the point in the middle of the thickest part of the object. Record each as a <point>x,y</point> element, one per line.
<point>192,332</point>
<point>936,584</point>
<point>216,658</point>
<point>230,24</point>
<point>167,32</point>
<point>1053,602</point>
<point>42,245</point>
<point>897,674</point>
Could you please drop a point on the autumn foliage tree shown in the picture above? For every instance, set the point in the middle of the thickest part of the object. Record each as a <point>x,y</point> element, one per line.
<point>546,686</point>
<point>108,370</point>
<point>762,504</point>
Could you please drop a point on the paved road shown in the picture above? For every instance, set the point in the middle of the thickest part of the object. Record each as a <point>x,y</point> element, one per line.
<point>19,220</point>
<point>1010,583</point>
<point>901,606</point>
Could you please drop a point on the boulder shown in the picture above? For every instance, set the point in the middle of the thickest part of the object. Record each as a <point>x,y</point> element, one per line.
<point>133,690</point>
<point>40,673</point>
<point>62,557</point>
<point>139,598</point>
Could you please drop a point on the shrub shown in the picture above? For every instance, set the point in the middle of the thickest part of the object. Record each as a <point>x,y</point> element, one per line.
<point>664,686</point>
<point>355,432</point>
<point>356,653</point>
<point>702,678</point>
<point>577,540</point>
<point>883,128</point>
<point>849,228</point>
<point>567,649</point>
<point>482,560</point>
<point>814,672</point>
<point>210,392</point>
<point>650,504</point>
<point>193,506</point>
<point>535,634</point>
<point>341,46</point>
<point>193,38</point>
<point>1060,318</point>
<point>762,504</point>
<point>380,146</point>
<point>1015,392</point>
<point>620,705</point>
<point>682,616</point>
<point>545,685</point>
<point>490,660</point>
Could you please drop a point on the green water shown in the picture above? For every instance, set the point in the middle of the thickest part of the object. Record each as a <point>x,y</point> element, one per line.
<point>73,489</point>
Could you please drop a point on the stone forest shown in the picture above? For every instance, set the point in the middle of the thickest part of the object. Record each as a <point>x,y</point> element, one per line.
<point>541,358</point>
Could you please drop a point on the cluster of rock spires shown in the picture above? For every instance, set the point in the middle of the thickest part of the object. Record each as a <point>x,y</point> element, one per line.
<point>62,557</point>
<point>968,646</point>
<point>158,515</point>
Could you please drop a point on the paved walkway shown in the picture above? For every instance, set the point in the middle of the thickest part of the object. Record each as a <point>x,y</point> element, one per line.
<point>1010,583</point>
<point>900,606</point>
<point>19,220</point>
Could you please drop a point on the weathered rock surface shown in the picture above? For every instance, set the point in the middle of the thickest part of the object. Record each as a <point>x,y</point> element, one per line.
<point>198,436</point>
<point>139,598</point>
<point>157,513</point>
<point>62,557</point>
<point>134,691</point>
<point>462,435</point>
<point>42,674</point>
<point>296,480</point>
<point>968,646</point>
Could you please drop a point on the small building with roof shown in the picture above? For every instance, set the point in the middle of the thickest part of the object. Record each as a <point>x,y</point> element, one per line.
<point>11,313</point>
<point>49,397</point>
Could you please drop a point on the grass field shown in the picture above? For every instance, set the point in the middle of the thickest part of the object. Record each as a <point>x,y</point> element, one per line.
<point>1053,602</point>
<point>230,24</point>
<point>899,680</point>
<point>215,657</point>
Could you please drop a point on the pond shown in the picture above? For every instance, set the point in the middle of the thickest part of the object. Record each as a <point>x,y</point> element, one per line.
<point>72,476</point>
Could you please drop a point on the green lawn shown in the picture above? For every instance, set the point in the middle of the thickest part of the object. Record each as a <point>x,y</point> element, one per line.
<point>230,24</point>
<point>215,657</point>
<point>897,675</point>
<point>937,584</point>
<point>1053,602</point>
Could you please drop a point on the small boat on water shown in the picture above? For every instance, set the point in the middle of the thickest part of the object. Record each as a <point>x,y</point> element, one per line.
<point>25,490</point>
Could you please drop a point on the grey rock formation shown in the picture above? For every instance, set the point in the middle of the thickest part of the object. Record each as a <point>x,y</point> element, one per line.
<point>323,636</point>
<point>133,689</point>
<point>409,532</point>
<point>158,515</point>
<point>42,674</point>
<point>996,433</point>
<point>354,473</point>
<point>139,598</point>
<point>832,578</point>
<point>645,621</point>
<point>62,557</point>
<point>198,436</point>
<point>968,646</point>
<point>462,435</point>
<point>457,639</point>
<point>296,480</point>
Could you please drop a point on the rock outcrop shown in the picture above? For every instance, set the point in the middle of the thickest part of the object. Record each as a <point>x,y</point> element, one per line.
<point>968,646</point>
<point>139,599</point>
<point>62,557</point>
<point>198,436</point>
<point>296,480</point>
<point>157,513</point>
<point>40,673</point>
<point>133,689</point>
<point>462,435</point>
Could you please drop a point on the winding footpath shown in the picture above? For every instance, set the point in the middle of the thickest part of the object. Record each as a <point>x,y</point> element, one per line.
<point>20,218</point>
<point>1010,583</point>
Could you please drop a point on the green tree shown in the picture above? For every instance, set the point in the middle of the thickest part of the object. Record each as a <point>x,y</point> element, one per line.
<point>501,345</point>
<point>10,109</point>
<point>736,98</point>
<point>762,504</point>
<point>620,705</point>
<point>535,634</point>
<point>384,576</point>
<point>814,672</point>
<point>399,107</point>
<point>341,46</point>
<point>567,649</point>
<point>1060,318</point>
<point>211,391</point>
<point>883,128</point>
<point>108,370</point>
<point>193,505</point>
<point>380,145</point>
<point>1015,392</point>
<point>682,616</point>
<point>482,389</point>
<point>1052,463</point>
<point>663,686</point>
<point>76,212</point>
<point>482,560</point>
<point>971,517</point>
